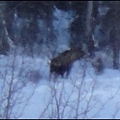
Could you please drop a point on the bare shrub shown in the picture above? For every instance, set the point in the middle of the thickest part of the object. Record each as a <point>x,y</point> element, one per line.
<point>13,82</point>
<point>33,76</point>
<point>79,100</point>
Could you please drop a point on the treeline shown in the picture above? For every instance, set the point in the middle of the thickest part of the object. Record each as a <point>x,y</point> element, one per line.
<point>95,26</point>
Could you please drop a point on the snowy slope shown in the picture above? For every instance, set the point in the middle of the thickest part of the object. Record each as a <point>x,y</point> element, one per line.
<point>100,93</point>
<point>82,95</point>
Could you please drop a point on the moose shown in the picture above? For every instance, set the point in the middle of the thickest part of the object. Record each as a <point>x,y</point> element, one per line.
<point>61,64</point>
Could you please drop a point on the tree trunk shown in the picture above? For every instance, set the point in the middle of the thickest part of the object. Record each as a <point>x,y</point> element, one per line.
<point>115,47</point>
<point>89,41</point>
<point>115,58</point>
<point>89,18</point>
<point>5,42</point>
<point>116,36</point>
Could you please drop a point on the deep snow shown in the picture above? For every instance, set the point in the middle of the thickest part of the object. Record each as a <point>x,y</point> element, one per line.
<point>97,94</point>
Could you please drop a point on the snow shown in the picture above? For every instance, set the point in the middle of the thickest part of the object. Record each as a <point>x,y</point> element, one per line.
<point>97,93</point>
<point>61,27</point>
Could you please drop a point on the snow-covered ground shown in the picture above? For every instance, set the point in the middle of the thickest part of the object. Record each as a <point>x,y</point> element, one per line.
<point>82,95</point>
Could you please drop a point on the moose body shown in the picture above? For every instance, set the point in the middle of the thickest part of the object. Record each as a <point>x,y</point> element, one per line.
<point>62,63</point>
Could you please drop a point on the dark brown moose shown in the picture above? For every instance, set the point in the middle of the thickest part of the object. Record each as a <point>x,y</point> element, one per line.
<point>63,62</point>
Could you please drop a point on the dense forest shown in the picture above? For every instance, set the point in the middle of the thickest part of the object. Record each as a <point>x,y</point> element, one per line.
<point>94,27</point>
